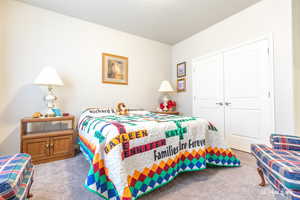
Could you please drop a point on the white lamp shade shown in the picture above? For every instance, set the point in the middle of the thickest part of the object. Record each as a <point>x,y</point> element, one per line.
<point>49,77</point>
<point>165,86</point>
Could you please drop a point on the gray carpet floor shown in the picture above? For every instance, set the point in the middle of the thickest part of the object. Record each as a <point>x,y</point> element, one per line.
<point>63,180</point>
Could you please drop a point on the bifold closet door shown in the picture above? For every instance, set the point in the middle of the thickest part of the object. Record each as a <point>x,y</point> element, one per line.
<point>248,98</point>
<point>208,97</point>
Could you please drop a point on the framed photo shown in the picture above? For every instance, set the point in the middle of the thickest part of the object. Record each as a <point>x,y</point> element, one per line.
<point>181,69</point>
<point>181,85</point>
<point>114,69</point>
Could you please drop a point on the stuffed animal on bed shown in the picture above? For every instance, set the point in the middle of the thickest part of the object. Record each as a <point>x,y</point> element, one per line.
<point>121,109</point>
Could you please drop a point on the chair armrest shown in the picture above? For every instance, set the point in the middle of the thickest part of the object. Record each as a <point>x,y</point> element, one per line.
<point>285,142</point>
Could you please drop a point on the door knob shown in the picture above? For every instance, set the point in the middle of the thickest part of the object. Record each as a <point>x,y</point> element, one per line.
<point>47,149</point>
<point>220,104</point>
<point>227,103</point>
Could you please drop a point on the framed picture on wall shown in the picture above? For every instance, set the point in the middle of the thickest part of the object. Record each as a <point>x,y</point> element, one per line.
<point>114,69</point>
<point>181,69</point>
<point>181,85</point>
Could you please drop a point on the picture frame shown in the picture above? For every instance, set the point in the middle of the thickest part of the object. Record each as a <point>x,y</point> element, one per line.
<point>114,69</point>
<point>181,70</point>
<point>181,85</point>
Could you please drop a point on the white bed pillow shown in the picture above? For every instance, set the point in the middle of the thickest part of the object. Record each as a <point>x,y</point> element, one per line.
<point>98,112</point>
<point>138,112</point>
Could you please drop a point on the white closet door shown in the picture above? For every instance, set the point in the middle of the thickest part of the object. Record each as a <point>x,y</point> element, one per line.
<point>208,90</point>
<point>248,103</point>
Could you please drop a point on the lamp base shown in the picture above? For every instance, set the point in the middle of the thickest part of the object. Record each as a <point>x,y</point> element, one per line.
<point>50,112</point>
<point>164,98</point>
<point>50,99</point>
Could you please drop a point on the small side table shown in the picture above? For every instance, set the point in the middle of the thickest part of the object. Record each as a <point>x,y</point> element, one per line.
<point>167,113</point>
<point>54,143</point>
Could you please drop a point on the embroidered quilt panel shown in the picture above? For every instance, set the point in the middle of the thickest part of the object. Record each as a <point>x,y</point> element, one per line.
<point>135,154</point>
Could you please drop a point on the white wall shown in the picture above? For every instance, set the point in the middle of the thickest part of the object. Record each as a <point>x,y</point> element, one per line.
<point>296,42</point>
<point>266,17</point>
<point>34,38</point>
<point>1,48</point>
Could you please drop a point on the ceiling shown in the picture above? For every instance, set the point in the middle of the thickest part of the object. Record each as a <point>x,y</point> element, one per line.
<point>167,21</point>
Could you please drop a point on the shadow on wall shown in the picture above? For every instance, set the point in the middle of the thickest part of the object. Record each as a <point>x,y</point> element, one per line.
<point>66,94</point>
<point>28,99</point>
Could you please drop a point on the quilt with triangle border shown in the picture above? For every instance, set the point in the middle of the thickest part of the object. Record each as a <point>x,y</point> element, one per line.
<point>135,154</point>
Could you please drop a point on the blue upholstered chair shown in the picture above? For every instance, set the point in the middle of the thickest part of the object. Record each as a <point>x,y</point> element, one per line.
<point>280,165</point>
<point>16,176</point>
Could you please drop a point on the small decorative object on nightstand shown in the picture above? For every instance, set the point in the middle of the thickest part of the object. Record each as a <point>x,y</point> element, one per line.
<point>169,107</point>
<point>167,112</point>
<point>54,139</point>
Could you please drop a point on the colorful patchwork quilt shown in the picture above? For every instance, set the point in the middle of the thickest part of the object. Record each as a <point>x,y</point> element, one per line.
<point>135,154</point>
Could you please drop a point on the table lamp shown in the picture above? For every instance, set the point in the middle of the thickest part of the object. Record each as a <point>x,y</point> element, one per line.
<point>165,88</point>
<point>49,77</point>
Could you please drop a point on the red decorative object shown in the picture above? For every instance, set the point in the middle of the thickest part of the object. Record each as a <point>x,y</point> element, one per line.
<point>171,105</point>
<point>161,106</point>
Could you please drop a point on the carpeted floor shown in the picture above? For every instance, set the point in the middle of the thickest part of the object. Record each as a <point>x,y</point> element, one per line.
<point>63,180</point>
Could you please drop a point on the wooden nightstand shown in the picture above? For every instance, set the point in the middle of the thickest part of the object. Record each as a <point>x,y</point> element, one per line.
<point>167,113</point>
<point>50,144</point>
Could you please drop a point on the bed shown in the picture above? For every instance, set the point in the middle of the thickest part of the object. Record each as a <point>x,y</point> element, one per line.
<point>131,155</point>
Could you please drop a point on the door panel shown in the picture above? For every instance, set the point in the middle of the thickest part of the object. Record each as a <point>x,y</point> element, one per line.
<point>37,148</point>
<point>61,145</point>
<point>208,90</point>
<point>242,74</point>
<point>247,125</point>
<point>248,110</point>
